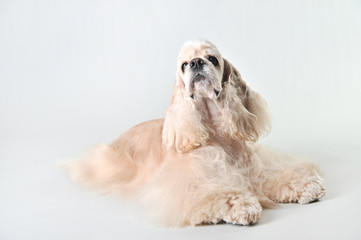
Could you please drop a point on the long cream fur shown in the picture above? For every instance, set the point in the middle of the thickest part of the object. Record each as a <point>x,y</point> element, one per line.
<point>201,163</point>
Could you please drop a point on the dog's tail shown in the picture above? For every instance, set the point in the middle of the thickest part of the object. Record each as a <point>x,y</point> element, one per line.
<point>102,168</point>
<point>125,165</point>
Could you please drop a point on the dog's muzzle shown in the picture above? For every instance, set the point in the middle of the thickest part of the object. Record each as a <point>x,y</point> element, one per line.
<point>196,64</point>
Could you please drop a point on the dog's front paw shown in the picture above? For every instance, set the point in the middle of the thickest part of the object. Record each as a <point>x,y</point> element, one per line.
<point>243,213</point>
<point>312,191</point>
<point>251,214</point>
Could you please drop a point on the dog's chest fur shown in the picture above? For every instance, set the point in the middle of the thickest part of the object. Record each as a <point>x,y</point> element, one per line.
<point>213,116</point>
<point>211,111</point>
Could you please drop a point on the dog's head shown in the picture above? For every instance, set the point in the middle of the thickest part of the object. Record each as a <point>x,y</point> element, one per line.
<point>200,67</point>
<point>203,74</point>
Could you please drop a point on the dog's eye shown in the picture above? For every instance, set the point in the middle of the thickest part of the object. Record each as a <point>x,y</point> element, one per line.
<point>213,60</point>
<point>184,66</point>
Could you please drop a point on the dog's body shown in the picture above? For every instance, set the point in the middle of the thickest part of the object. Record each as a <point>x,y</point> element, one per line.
<point>201,163</point>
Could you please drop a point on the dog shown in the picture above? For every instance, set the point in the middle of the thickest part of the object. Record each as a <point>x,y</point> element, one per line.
<point>201,164</point>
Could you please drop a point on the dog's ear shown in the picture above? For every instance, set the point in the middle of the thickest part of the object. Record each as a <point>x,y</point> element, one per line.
<point>244,111</point>
<point>227,70</point>
<point>183,127</point>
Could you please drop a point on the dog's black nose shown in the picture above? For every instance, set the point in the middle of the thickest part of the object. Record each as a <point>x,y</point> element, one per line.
<point>196,64</point>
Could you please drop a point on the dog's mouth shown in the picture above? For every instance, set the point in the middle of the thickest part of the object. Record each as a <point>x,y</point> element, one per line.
<point>198,77</point>
<point>216,94</point>
<point>202,86</point>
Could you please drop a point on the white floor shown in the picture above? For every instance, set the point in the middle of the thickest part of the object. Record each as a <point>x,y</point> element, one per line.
<point>39,202</point>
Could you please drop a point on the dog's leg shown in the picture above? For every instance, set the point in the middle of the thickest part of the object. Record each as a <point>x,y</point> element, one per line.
<point>190,190</point>
<point>231,207</point>
<point>288,179</point>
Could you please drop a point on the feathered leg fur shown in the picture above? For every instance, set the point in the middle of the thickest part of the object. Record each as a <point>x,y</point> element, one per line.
<point>290,179</point>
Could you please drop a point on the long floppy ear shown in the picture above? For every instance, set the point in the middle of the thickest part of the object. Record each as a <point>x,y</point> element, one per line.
<point>244,111</point>
<point>183,127</point>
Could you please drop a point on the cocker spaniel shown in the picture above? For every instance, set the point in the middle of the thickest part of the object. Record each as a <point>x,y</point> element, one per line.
<point>201,164</point>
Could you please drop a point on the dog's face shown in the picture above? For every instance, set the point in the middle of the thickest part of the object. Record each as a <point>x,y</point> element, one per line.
<point>210,98</point>
<point>200,67</point>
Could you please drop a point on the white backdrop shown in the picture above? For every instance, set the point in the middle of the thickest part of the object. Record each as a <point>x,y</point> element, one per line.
<point>77,73</point>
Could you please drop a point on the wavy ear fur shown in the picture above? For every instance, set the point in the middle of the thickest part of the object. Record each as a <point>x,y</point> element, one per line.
<point>244,111</point>
<point>183,127</point>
